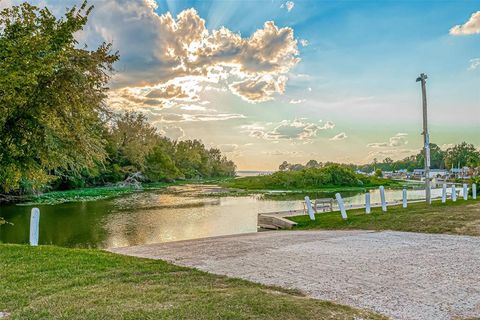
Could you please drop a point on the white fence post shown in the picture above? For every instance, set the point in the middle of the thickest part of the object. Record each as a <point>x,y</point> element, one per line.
<point>367,203</point>
<point>465,191</point>
<point>474,191</point>
<point>341,205</point>
<point>34,226</point>
<point>382,199</point>
<point>444,193</point>
<point>454,193</point>
<point>310,211</point>
<point>404,197</point>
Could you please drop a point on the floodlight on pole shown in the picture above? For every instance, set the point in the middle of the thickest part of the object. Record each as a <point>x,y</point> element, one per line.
<point>426,138</point>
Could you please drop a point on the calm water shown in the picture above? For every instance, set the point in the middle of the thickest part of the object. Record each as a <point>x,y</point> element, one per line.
<point>151,217</point>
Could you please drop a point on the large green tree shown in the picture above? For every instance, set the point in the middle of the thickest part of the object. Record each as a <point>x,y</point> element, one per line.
<point>463,154</point>
<point>51,95</point>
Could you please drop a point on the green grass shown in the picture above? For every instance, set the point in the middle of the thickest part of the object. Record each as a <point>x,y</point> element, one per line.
<point>58,283</point>
<point>461,217</point>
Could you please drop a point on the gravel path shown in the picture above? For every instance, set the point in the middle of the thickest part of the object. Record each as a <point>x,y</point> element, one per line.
<point>402,275</point>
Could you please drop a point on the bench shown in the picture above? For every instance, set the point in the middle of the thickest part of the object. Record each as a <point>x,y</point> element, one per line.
<point>323,204</point>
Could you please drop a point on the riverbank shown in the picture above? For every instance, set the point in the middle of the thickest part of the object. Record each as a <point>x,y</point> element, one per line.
<point>102,192</point>
<point>460,217</point>
<point>57,283</point>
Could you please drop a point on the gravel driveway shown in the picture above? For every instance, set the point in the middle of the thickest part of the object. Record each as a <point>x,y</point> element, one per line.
<point>401,275</point>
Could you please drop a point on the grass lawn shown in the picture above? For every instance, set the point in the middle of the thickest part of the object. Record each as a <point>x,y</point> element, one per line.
<point>461,217</point>
<point>58,283</point>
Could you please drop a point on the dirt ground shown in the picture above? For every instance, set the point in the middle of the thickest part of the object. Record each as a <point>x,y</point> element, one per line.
<point>401,275</point>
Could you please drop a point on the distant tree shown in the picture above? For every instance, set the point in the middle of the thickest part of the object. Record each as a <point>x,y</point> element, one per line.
<point>378,173</point>
<point>51,96</point>
<point>437,157</point>
<point>463,154</point>
<point>159,164</point>
<point>312,164</point>
<point>131,139</point>
<point>284,166</point>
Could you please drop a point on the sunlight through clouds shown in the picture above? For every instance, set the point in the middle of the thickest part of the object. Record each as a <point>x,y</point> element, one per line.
<point>180,56</point>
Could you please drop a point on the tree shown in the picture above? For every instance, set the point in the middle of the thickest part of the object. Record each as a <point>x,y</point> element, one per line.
<point>378,173</point>
<point>463,154</point>
<point>158,163</point>
<point>437,157</point>
<point>284,166</point>
<point>312,164</point>
<point>131,139</point>
<point>51,96</point>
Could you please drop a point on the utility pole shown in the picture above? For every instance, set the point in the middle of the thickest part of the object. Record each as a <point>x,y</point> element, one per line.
<point>426,138</point>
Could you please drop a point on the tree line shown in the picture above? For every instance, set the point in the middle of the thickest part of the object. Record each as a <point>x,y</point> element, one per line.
<point>55,128</point>
<point>458,156</point>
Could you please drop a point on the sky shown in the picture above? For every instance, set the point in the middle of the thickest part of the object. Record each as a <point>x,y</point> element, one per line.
<point>268,81</point>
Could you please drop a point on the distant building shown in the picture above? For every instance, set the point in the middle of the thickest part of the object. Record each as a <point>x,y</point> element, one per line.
<point>463,173</point>
<point>434,173</point>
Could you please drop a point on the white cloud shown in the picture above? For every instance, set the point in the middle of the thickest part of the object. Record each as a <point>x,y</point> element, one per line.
<point>282,153</point>
<point>290,5</point>
<point>377,145</point>
<point>400,139</point>
<point>474,64</point>
<point>391,153</point>
<point>327,125</point>
<point>259,89</point>
<point>227,148</point>
<point>172,132</point>
<point>180,56</point>
<point>193,107</point>
<point>304,42</point>
<point>297,101</point>
<point>152,4</point>
<point>298,129</point>
<point>159,118</point>
<point>338,137</point>
<point>472,26</point>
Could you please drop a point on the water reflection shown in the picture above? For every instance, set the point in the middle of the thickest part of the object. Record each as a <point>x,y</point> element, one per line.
<point>152,217</point>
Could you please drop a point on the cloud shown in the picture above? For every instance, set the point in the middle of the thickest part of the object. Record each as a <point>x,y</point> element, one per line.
<point>288,5</point>
<point>338,137</point>
<point>472,26</point>
<point>298,129</point>
<point>179,56</point>
<point>391,153</point>
<point>327,125</point>
<point>227,148</point>
<point>297,101</point>
<point>377,145</point>
<point>259,89</point>
<point>282,153</point>
<point>304,42</point>
<point>400,139</point>
<point>172,132</point>
<point>177,117</point>
<point>474,64</point>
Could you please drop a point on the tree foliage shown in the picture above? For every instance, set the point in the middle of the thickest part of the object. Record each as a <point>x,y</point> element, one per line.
<point>51,96</point>
<point>55,129</point>
<point>330,175</point>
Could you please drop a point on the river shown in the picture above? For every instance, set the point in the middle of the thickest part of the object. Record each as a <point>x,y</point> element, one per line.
<point>174,214</point>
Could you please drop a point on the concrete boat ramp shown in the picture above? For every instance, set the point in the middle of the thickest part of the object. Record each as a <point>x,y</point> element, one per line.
<point>401,275</point>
